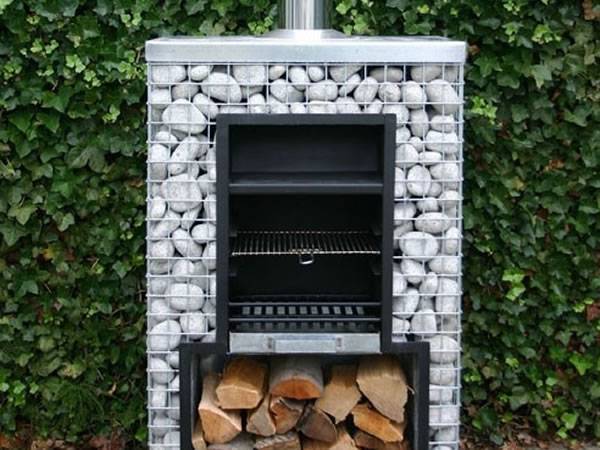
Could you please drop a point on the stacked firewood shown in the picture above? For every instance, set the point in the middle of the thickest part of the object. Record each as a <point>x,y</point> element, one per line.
<point>288,406</point>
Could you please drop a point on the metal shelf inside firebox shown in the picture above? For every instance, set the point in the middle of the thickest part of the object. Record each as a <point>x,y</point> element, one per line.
<point>304,242</point>
<point>306,183</point>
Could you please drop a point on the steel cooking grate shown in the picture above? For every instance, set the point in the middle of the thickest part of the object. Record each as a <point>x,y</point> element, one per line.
<point>309,313</point>
<point>304,242</point>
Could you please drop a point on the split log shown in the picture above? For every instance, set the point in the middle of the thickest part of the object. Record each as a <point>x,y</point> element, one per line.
<point>343,442</point>
<point>315,424</point>
<point>382,381</point>
<point>288,441</point>
<point>198,441</point>
<point>297,377</point>
<point>371,421</point>
<point>241,442</point>
<point>369,442</point>
<point>260,421</point>
<point>286,413</point>
<point>341,393</point>
<point>219,426</point>
<point>243,384</point>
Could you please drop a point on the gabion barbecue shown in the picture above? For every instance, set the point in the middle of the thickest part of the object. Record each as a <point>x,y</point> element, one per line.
<point>192,81</point>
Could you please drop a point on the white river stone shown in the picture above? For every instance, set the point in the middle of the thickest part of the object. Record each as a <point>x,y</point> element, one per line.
<point>429,285</point>
<point>276,71</point>
<point>419,122</point>
<point>188,150</point>
<point>160,371</point>
<point>419,246</point>
<point>398,281</point>
<point>349,85</point>
<point>442,374</point>
<point>381,74</point>
<point>413,271</point>
<point>157,207</point>
<point>233,109</point>
<point>366,91</point>
<point>209,256</point>
<point>158,396</point>
<point>185,91</point>
<point>316,73</point>
<point>194,324</point>
<point>185,297</point>
<point>159,310</point>
<point>206,106</point>
<point>445,265</point>
<point>164,336</point>
<point>161,425</point>
<point>399,183</point>
<point>442,142</point>
<point>432,222</point>
<point>429,158</point>
<point>250,75</point>
<point>165,75</point>
<point>447,173</point>
<point>418,181</point>
<point>169,223</point>
<point>443,415</point>
<point>449,199</point>
<point>182,192</point>
<point>200,72</point>
<point>427,204</point>
<point>298,108</point>
<point>160,98</point>
<point>417,143</point>
<point>375,107</point>
<point>439,394</point>
<point>413,95</point>
<point>204,232</point>
<point>342,73</point>
<point>183,116</point>
<point>257,104</point>
<point>185,245</point>
<point>406,156</point>
<point>451,241</point>
<point>320,107</point>
<point>222,87</point>
<point>401,111</point>
<point>347,105</point>
<point>325,90</point>
<point>173,360</point>
<point>277,107</point>
<point>285,92</point>
<point>425,73</point>
<point>298,77</point>
<point>158,170</point>
<point>405,304</point>
<point>400,231</point>
<point>400,326</point>
<point>161,249</point>
<point>443,97</point>
<point>423,323</point>
<point>443,124</point>
<point>404,212</point>
<point>448,296</point>
<point>389,92</point>
<point>444,349</point>
<point>403,135</point>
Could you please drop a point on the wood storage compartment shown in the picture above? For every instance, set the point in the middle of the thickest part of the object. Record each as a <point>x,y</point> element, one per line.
<point>305,401</point>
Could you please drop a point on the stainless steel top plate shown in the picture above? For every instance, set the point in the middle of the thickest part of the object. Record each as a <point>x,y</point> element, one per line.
<point>305,46</point>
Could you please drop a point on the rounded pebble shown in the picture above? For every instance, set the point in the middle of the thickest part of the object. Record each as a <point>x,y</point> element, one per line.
<point>222,87</point>
<point>164,336</point>
<point>419,246</point>
<point>185,297</point>
<point>418,181</point>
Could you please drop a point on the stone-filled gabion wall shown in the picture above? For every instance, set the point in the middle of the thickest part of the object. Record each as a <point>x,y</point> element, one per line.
<point>183,102</point>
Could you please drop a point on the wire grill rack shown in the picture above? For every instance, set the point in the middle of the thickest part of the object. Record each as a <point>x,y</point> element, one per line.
<point>304,242</point>
<point>309,313</point>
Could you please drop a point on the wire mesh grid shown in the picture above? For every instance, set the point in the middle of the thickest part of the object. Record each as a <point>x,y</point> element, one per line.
<point>183,103</point>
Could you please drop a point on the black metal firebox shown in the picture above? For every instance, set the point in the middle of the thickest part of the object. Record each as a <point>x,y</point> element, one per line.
<point>304,232</point>
<point>198,358</point>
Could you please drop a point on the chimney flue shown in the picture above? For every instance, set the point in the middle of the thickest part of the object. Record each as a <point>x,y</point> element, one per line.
<point>304,14</point>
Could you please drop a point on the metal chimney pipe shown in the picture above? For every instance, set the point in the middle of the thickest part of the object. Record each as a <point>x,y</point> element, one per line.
<point>304,14</point>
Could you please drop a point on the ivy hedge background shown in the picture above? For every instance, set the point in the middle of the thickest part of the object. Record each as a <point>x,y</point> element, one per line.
<point>72,152</point>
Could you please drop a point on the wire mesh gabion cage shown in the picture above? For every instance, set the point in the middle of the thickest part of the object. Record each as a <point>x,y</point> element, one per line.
<point>192,81</point>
